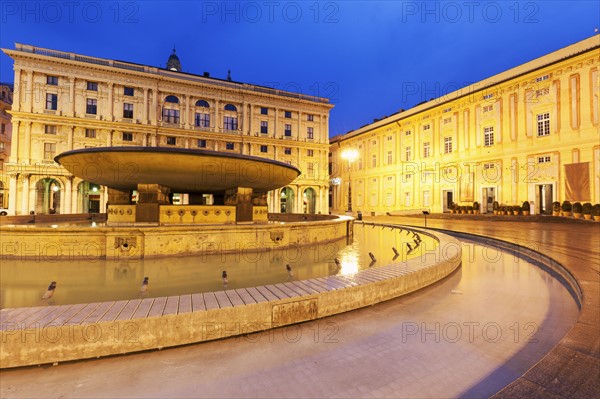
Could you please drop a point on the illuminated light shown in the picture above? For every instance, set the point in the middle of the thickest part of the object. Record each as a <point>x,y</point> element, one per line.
<point>350,154</point>
<point>95,189</point>
<point>55,188</point>
<point>54,226</point>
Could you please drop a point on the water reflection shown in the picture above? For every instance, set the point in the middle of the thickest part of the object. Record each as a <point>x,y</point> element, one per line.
<point>22,283</point>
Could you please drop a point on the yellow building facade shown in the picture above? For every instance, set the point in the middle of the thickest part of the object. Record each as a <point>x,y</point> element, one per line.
<point>527,134</point>
<point>6,92</point>
<point>65,101</point>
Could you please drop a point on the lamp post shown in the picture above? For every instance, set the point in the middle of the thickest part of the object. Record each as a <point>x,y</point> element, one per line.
<point>349,154</point>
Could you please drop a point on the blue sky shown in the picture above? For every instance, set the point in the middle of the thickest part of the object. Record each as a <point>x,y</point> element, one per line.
<point>370,58</point>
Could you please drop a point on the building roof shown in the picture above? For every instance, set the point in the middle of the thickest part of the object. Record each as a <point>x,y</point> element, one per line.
<point>562,54</point>
<point>131,67</point>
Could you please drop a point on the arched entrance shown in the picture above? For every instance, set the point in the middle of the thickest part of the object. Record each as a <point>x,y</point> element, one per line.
<point>89,195</point>
<point>287,200</point>
<point>309,200</point>
<point>47,196</point>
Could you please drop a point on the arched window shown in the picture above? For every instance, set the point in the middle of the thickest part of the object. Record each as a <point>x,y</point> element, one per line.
<point>172,99</point>
<point>202,103</point>
<point>230,107</point>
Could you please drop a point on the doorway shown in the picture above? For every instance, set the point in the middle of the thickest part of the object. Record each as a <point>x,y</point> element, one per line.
<point>488,196</point>
<point>447,200</point>
<point>543,198</point>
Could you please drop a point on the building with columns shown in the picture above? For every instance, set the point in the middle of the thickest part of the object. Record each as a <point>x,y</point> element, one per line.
<point>6,92</point>
<point>64,101</point>
<point>530,133</point>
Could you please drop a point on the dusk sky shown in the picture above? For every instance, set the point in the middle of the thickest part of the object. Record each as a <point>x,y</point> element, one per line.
<point>370,58</point>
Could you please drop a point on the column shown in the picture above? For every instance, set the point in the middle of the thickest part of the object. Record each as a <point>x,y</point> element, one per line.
<point>275,125</point>
<point>250,113</point>
<point>299,134</point>
<point>217,122</point>
<point>69,194</point>
<point>16,105</point>
<point>71,134</point>
<point>110,101</point>
<point>153,139</point>
<point>72,95</point>
<point>186,119</point>
<point>154,106</point>
<point>109,138</point>
<point>299,200</point>
<point>29,95</point>
<point>12,194</point>
<point>103,200</point>
<point>25,194</point>
<point>27,143</point>
<point>244,127</point>
<point>14,148</point>
<point>145,107</point>
<point>144,139</point>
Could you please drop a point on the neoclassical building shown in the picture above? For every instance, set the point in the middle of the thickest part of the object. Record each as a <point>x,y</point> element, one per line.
<point>64,101</point>
<point>530,133</point>
<point>6,92</point>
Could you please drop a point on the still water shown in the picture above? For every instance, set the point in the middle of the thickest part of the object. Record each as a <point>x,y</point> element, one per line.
<point>22,283</point>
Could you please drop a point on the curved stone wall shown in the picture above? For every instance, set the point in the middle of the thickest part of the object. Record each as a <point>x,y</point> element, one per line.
<point>61,333</point>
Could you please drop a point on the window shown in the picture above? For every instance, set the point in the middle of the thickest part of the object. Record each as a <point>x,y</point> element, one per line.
<point>52,80</point>
<point>310,153</point>
<point>488,108</point>
<point>447,145</point>
<point>50,129</point>
<point>407,133</point>
<point>230,107</point>
<point>489,165</point>
<point>128,91</point>
<point>51,101</point>
<point>202,103</point>
<point>374,142</point>
<point>390,158</point>
<point>127,111</point>
<point>406,199</point>
<point>447,120</point>
<point>93,86</point>
<point>264,148</point>
<point>407,154</point>
<point>542,78</point>
<point>172,99</point>
<point>545,159</point>
<point>264,127</point>
<point>390,138</point>
<point>171,140</point>
<point>171,116</point>
<point>427,127</point>
<point>90,133</point>
<point>310,168</point>
<point>310,117</point>
<point>542,92</point>
<point>229,146</point>
<point>488,136</point>
<point>288,130</point>
<point>49,151</point>
<point>426,149</point>
<point>201,143</point>
<point>310,133</point>
<point>264,111</point>
<point>543,124</point>
<point>91,106</point>
<point>127,136</point>
<point>202,120</point>
<point>374,161</point>
<point>287,151</point>
<point>447,110</point>
<point>288,114</point>
<point>230,123</point>
<point>488,96</point>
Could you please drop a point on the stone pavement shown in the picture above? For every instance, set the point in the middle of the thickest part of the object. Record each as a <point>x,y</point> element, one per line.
<point>387,350</point>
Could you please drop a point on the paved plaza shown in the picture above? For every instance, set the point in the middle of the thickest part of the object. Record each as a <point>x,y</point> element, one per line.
<point>428,344</point>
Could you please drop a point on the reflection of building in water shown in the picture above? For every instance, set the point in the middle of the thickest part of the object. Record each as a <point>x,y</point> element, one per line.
<point>526,134</point>
<point>65,101</point>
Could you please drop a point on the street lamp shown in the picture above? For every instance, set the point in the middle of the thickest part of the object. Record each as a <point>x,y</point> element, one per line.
<point>349,154</point>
